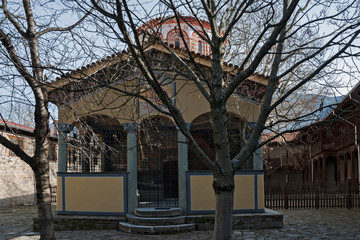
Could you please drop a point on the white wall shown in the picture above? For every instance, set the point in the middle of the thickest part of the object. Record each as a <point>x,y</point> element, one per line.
<point>17,182</point>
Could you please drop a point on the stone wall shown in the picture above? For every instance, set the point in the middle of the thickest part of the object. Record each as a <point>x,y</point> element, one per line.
<point>268,219</point>
<point>17,185</point>
<point>17,181</point>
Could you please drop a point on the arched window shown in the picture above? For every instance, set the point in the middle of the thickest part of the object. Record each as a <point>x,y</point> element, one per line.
<point>101,147</point>
<point>202,131</point>
<point>157,162</point>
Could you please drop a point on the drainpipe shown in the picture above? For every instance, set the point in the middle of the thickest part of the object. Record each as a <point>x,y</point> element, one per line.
<point>281,155</point>
<point>355,140</point>
<point>312,166</point>
<point>173,93</point>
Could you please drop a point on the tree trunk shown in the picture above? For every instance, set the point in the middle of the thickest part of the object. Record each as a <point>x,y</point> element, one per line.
<point>223,182</point>
<point>224,195</point>
<point>41,170</point>
<point>43,194</point>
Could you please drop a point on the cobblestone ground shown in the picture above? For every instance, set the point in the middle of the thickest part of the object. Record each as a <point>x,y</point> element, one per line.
<point>16,223</point>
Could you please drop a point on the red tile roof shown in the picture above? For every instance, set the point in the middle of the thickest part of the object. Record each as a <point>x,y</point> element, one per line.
<point>286,137</point>
<point>109,60</point>
<point>27,129</point>
<point>17,126</point>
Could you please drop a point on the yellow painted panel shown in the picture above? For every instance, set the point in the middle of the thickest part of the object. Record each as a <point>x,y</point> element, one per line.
<point>244,192</point>
<point>202,193</point>
<point>261,190</point>
<point>189,94</point>
<point>189,100</point>
<point>94,194</point>
<point>59,194</point>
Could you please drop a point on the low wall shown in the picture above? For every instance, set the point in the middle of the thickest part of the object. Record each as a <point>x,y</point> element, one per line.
<point>267,219</point>
<point>17,181</point>
<point>91,194</point>
<point>248,192</point>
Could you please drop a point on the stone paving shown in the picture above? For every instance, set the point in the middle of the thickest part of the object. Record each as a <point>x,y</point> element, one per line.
<point>16,223</point>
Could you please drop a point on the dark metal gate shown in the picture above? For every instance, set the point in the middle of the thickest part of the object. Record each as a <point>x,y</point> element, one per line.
<point>157,176</point>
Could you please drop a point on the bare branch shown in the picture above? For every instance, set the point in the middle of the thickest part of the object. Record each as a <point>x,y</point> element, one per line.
<point>65,29</point>
<point>12,19</point>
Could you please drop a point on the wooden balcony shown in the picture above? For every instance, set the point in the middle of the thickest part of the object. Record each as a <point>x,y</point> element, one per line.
<point>344,140</point>
<point>339,143</point>
<point>323,147</point>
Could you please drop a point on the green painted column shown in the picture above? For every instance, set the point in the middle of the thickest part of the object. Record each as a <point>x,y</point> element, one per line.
<point>131,129</point>
<point>62,151</point>
<point>258,159</point>
<point>63,130</point>
<point>182,168</point>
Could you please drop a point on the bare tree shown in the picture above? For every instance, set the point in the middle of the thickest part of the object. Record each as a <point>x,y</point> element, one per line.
<point>33,45</point>
<point>19,113</point>
<point>290,45</point>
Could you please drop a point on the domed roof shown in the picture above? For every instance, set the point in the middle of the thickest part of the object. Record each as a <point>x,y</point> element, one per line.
<point>190,31</point>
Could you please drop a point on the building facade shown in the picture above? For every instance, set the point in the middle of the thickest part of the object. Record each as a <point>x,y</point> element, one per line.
<point>123,153</point>
<point>285,158</point>
<point>327,151</point>
<point>333,144</point>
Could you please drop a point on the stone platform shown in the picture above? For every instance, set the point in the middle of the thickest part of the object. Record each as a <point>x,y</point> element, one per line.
<point>16,223</point>
<point>268,219</point>
<point>156,221</point>
<point>241,221</point>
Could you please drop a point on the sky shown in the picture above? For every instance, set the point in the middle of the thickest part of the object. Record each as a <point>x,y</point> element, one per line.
<point>347,82</point>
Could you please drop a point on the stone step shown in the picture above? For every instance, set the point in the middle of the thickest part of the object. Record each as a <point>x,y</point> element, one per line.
<point>133,228</point>
<point>157,212</point>
<point>153,221</point>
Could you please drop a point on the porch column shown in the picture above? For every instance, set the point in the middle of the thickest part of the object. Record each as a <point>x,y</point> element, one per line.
<point>132,198</point>
<point>324,169</point>
<point>352,168</point>
<point>345,167</point>
<point>312,170</point>
<point>258,159</point>
<point>64,129</point>
<point>318,173</point>
<point>338,168</point>
<point>356,165</point>
<point>182,168</point>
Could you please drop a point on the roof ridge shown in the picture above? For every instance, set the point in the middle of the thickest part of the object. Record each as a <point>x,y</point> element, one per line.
<point>116,56</point>
<point>16,125</point>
